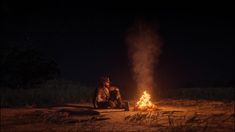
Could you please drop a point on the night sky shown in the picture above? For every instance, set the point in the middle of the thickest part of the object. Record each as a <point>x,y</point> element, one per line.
<point>89,42</point>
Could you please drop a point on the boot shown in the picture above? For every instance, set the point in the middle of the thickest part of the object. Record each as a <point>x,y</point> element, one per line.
<point>126,106</point>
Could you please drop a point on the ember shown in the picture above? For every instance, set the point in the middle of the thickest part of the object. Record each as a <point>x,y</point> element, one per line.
<point>144,103</point>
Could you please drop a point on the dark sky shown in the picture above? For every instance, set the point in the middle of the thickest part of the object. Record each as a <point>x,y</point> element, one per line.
<point>87,42</point>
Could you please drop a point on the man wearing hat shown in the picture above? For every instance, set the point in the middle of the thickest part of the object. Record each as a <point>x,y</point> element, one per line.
<point>107,96</point>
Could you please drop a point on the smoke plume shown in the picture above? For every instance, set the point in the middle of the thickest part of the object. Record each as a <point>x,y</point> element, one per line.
<point>144,49</point>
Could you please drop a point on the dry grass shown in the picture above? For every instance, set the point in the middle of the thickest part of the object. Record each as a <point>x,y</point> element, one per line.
<point>53,92</point>
<point>174,121</point>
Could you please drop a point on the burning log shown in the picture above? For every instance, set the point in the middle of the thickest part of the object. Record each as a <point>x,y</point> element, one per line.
<point>144,103</point>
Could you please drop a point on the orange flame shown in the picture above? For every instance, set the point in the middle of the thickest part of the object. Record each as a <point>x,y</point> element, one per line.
<point>144,103</point>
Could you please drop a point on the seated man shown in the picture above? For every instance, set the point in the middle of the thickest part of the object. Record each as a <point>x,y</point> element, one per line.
<point>107,96</point>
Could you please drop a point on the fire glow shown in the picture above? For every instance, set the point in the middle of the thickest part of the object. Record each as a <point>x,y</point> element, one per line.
<point>145,103</point>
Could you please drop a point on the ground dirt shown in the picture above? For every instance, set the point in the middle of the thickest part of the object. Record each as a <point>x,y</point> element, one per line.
<point>170,115</point>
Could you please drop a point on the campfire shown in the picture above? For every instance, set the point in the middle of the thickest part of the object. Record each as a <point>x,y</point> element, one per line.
<point>144,103</point>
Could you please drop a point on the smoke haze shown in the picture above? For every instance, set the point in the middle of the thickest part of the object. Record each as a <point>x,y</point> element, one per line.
<point>144,49</point>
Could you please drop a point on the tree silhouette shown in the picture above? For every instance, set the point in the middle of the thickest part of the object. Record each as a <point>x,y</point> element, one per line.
<point>23,67</point>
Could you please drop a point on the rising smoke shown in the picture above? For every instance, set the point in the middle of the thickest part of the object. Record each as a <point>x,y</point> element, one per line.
<point>144,49</point>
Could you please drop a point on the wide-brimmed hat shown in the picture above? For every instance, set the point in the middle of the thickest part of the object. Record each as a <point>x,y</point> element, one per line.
<point>104,79</point>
